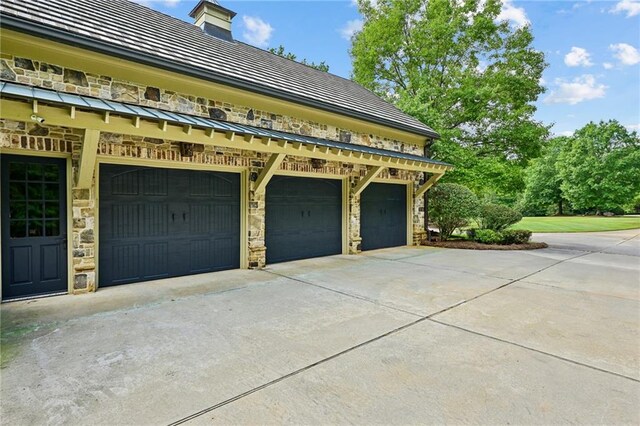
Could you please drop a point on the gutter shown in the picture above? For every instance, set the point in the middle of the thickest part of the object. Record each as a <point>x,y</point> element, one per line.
<point>78,40</point>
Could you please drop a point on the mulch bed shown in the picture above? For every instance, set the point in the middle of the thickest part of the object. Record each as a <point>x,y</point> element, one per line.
<point>472,245</point>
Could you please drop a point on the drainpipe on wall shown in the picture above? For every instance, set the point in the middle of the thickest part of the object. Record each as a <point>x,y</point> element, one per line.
<point>427,153</point>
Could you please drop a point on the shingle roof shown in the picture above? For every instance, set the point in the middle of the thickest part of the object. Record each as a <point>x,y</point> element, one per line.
<point>135,32</point>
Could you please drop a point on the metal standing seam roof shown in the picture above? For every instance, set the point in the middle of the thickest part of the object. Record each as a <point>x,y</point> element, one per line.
<point>125,29</point>
<point>20,91</point>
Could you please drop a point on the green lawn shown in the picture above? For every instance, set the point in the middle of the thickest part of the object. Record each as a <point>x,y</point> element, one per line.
<point>577,223</point>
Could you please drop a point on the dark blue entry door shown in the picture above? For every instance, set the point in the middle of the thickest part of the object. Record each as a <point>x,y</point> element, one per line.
<point>34,226</point>
<point>303,218</point>
<point>159,223</point>
<point>383,216</point>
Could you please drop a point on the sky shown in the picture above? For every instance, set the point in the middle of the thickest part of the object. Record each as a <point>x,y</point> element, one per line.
<point>592,47</point>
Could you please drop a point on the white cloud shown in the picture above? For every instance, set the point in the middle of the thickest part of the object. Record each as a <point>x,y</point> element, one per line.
<point>627,54</point>
<point>607,65</point>
<point>350,28</point>
<point>633,127</point>
<point>578,57</point>
<point>630,7</point>
<point>565,133</point>
<point>580,89</point>
<point>257,32</point>
<point>516,15</point>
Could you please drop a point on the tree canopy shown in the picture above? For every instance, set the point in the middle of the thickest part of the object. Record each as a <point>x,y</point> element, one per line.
<point>454,66</point>
<point>281,51</point>
<point>543,193</point>
<point>599,167</point>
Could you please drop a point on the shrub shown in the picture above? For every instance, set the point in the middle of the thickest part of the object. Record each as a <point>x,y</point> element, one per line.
<point>487,236</point>
<point>497,217</point>
<point>515,236</point>
<point>451,206</point>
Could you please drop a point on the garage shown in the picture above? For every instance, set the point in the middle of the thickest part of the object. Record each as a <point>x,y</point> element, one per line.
<point>383,216</point>
<point>303,218</point>
<point>159,223</point>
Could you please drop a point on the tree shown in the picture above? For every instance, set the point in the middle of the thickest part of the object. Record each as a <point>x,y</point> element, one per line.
<point>455,67</point>
<point>280,51</point>
<point>600,167</point>
<point>543,182</point>
<point>451,207</point>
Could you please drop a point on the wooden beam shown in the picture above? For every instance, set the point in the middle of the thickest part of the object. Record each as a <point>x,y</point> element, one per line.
<point>88,158</point>
<point>58,115</point>
<point>230,136</point>
<point>367,179</point>
<point>428,184</point>
<point>269,169</point>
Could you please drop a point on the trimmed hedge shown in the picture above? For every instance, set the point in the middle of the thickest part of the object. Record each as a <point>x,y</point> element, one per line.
<point>487,236</point>
<point>507,237</point>
<point>497,217</point>
<point>515,236</point>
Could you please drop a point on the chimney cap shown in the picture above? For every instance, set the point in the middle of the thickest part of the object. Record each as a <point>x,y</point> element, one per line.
<point>214,4</point>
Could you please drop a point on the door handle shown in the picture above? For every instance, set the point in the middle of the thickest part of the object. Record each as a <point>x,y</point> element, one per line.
<point>173,217</point>
<point>184,217</point>
<point>309,213</point>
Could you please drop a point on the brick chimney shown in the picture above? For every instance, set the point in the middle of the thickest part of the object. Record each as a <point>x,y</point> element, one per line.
<point>214,19</point>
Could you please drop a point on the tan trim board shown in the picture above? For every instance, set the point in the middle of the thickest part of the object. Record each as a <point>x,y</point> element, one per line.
<point>88,156</point>
<point>267,172</point>
<point>428,184</point>
<point>367,179</point>
<point>60,116</point>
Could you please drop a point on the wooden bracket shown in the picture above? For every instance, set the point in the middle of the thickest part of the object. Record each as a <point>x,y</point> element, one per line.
<point>367,179</point>
<point>428,184</point>
<point>269,169</point>
<point>88,158</point>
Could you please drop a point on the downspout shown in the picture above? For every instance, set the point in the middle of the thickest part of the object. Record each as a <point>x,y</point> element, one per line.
<point>427,153</point>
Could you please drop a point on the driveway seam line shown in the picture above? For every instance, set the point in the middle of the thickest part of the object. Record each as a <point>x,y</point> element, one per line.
<point>354,296</point>
<point>348,350</point>
<point>571,290</point>
<point>569,360</point>
<point>390,333</point>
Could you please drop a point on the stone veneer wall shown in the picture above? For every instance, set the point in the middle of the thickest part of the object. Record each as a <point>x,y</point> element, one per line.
<point>34,137</point>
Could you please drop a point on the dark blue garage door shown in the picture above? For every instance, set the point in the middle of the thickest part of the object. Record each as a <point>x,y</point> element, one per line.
<point>303,218</point>
<point>159,223</point>
<point>383,216</point>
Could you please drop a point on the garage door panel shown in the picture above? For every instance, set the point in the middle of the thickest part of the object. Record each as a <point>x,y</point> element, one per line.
<point>303,218</point>
<point>145,233</point>
<point>383,216</point>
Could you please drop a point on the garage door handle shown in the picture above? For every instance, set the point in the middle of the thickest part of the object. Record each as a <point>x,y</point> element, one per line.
<point>173,217</point>
<point>302,213</point>
<point>184,217</point>
<point>309,213</point>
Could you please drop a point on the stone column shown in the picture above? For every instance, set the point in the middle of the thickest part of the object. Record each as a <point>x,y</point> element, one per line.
<point>355,240</point>
<point>419,233</point>
<point>83,203</point>
<point>256,224</point>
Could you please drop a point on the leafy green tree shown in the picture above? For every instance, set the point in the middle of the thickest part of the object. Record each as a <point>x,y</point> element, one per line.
<point>280,51</point>
<point>600,167</point>
<point>543,182</point>
<point>455,67</point>
<point>451,206</point>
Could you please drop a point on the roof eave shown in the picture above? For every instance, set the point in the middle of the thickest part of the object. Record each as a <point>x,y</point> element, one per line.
<point>81,41</point>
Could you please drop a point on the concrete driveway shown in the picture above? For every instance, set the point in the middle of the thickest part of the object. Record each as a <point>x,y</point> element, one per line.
<point>398,336</point>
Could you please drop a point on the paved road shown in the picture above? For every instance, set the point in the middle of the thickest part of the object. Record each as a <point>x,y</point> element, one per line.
<point>399,336</point>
